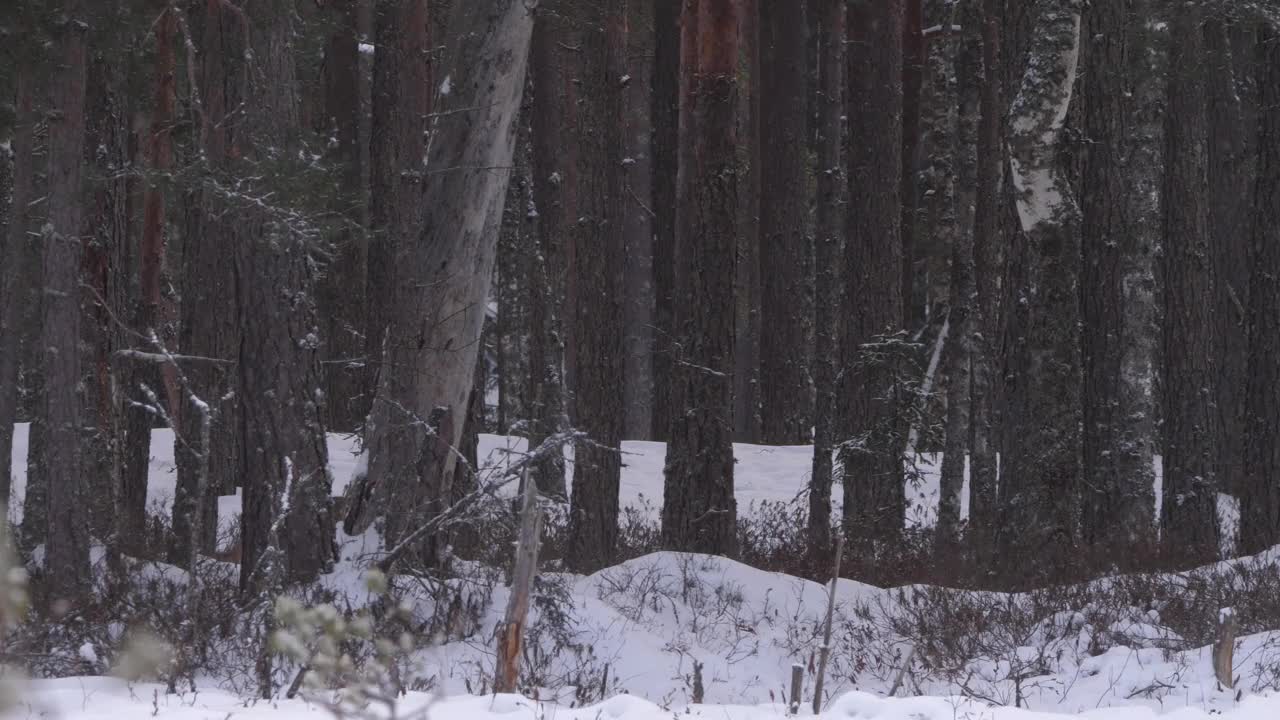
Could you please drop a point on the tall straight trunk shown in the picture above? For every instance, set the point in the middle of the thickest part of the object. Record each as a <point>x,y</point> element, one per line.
<point>1230,186</point>
<point>15,284</point>
<point>67,543</point>
<point>639,218</point>
<point>987,241</point>
<point>1117,499</point>
<point>1041,458</point>
<point>785,249</point>
<point>747,375</point>
<point>105,283</point>
<point>828,251</point>
<point>1260,499</point>
<point>699,511</point>
<point>132,495</point>
<point>401,100</point>
<point>440,296</point>
<point>871,453</point>
<point>285,458</point>
<point>555,194</point>
<point>209,315</point>
<point>913,66</point>
<point>598,314</point>
<point>960,313</point>
<point>1188,519</point>
<point>665,115</point>
<point>341,292</point>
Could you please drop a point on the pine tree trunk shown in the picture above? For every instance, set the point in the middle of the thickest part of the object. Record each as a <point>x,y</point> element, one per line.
<point>747,278</point>
<point>987,243</point>
<point>785,247</point>
<point>286,476</point>
<point>1117,499</point>
<point>440,294</point>
<point>598,314</point>
<point>871,456</point>
<point>1260,499</point>
<point>665,115</point>
<point>1189,519</point>
<point>209,315</point>
<point>341,290</point>
<point>104,283</point>
<point>15,278</point>
<point>1229,189</point>
<point>639,218</point>
<point>959,353</point>
<point>555,194</point>
<point>132,498</point>
<point>913,62</point>
<point>699,511</point>
<point>401,99</point>
<point>67,546</point>
<point>828,251</point>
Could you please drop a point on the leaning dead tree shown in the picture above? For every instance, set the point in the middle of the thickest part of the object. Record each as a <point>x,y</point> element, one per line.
<point>443,278</point>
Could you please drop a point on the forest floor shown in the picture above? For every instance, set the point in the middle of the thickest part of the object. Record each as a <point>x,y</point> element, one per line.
<point>630,642</point>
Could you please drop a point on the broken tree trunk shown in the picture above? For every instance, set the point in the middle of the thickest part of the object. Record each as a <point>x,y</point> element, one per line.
<point>511,632</point>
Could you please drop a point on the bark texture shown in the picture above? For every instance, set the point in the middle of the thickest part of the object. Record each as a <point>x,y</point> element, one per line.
<point>873,442</point>
<point>699,512</point>
<point>419,411</point>
<point>20,255</point>
<point>1260,499</point>
<point>1116,291</point>
<point>402,94</point>
<point>598,313</point>
<point>1040,472</point>
<point>209,315</point>
<point>287,504</point>
<point>828,253</point>
<point>67,543</point>
<point>665,115</point>
<point>785,246</point>
<point>1189,517</point>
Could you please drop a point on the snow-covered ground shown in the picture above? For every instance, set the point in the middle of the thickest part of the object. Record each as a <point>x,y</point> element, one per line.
<point>644,625</point>
<point>106,699</point>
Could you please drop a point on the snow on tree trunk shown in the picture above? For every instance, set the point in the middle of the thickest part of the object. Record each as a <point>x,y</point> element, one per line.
<point>443,279</point>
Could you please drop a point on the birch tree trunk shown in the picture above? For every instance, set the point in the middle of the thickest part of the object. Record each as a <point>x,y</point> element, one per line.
<point>444,277</point>
<point>1041,463</point>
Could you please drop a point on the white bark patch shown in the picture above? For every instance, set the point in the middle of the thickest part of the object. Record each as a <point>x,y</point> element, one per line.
<point>1039,185</point>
